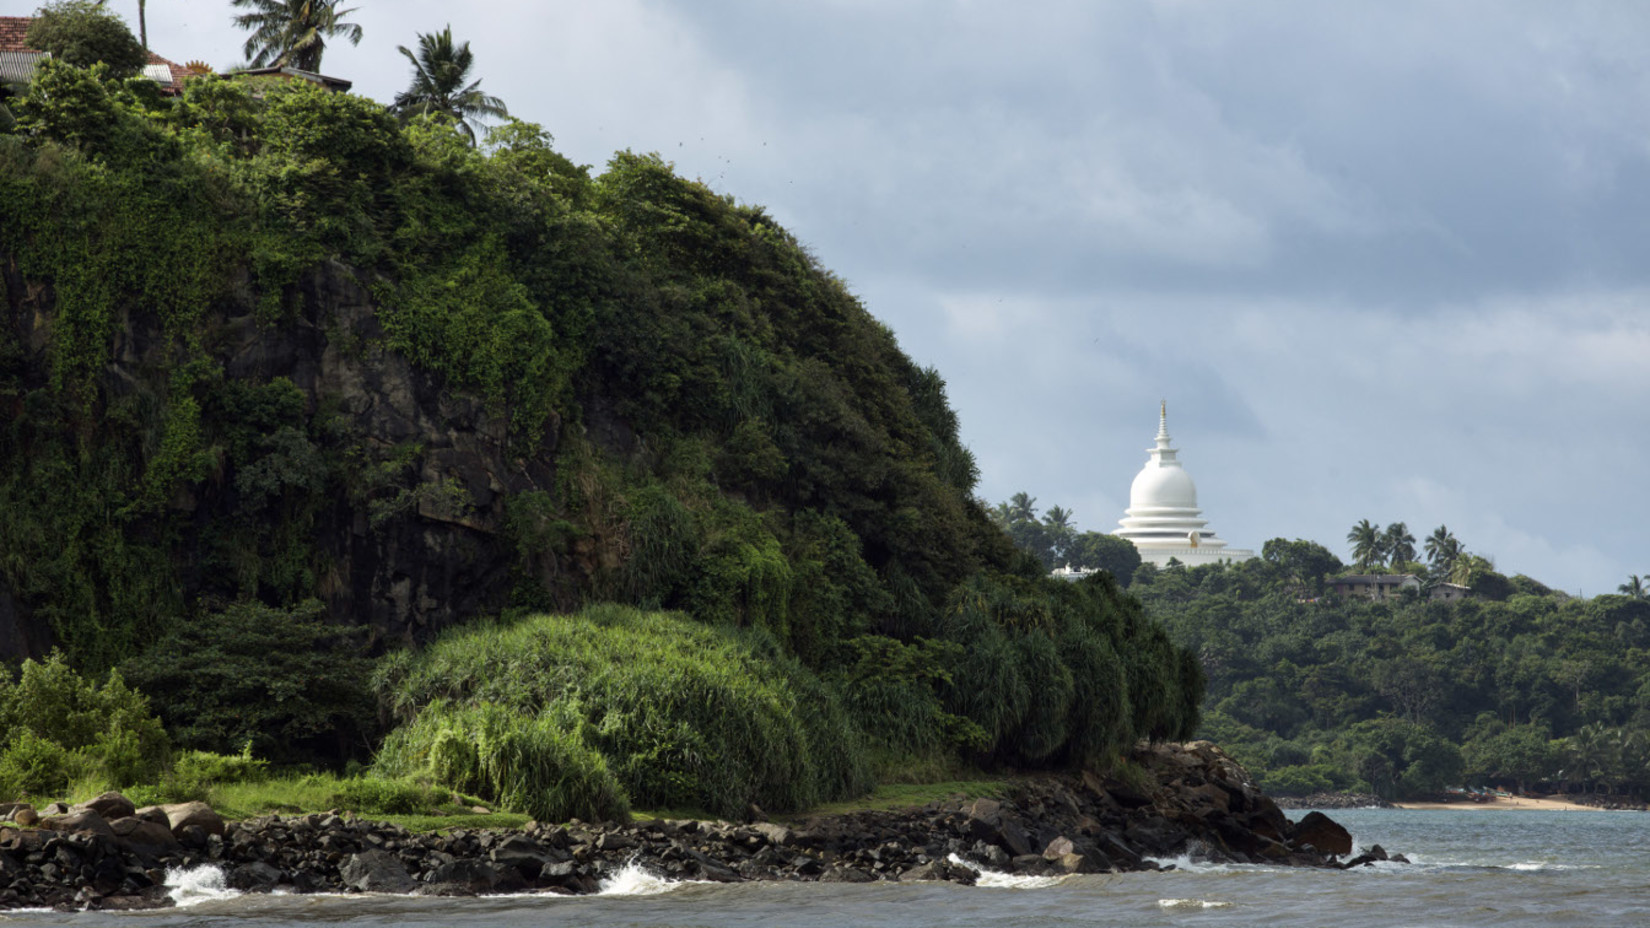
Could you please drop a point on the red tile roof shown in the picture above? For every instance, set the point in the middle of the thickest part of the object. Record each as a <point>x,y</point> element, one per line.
<point>12,31</point>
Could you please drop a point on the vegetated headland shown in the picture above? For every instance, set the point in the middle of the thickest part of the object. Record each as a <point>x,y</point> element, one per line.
<point>344,457</point>
<point>1455,684</point>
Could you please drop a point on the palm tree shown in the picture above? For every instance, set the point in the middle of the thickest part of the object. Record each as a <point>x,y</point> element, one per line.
<point>1365,539</point>
<point>1399,544</point>
<point>143,24</point>
<point>1635,587</point>
<point>438,85</point>
<point>293,32</point>
<point>1022,506</point>
<point>1060,530</point>
<point>1442,550</point>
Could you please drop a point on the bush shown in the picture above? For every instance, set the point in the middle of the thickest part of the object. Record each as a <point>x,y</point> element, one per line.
<point>109,729</point>
<point>681,714</point>
<point>34,766</point>
<point>194,773</point>
<point>378,796</point>
<point>525,763</point>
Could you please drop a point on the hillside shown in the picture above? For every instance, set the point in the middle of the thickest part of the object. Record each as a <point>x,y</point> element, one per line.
<point>287,385</point>
<point>1515,686</point>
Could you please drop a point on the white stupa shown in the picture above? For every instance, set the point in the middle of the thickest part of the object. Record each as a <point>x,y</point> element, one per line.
<point>1163,520</point>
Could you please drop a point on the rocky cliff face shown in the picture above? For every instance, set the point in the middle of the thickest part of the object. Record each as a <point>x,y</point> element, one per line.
<point>405,558</point>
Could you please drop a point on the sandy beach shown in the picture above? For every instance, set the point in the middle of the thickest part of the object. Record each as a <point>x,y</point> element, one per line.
<point>1504,803</point>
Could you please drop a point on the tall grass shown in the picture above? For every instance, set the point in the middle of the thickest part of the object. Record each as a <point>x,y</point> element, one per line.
<point>679,713</point>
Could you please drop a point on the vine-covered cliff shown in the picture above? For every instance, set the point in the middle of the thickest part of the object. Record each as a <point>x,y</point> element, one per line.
<point>264,352</point>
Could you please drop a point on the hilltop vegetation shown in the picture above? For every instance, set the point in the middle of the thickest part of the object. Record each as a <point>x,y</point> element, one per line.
<point>285,375</point>
<point>1514,686</point>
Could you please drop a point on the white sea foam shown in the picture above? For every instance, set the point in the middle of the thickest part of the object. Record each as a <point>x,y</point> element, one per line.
<point>634,880</point>
<point>195,885</point>
<point>1193,904</point>
<point>996,879</point>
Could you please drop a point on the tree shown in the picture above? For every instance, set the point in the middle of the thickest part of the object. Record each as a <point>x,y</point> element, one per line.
<point>1022,506</point>
<point>1635,587</point>
<point>438,86</point>
<point>1398,543</point>
<point>1061,532</point>
<point>1100,551</point>
<point>1365,539</point>
<point>83,33</point>
<point>1442,550</point>
<point>143,23</point>
<point>293,32</point>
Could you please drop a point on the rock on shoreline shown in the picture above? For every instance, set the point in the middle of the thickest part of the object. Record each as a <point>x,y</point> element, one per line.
<point>1191,800</point>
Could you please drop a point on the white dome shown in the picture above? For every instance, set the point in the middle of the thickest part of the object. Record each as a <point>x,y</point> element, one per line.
<point>1162,485</point>
<point>1163,520</point>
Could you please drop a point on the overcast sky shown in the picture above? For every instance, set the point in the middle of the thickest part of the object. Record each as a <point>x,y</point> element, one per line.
<point>1384,260</point>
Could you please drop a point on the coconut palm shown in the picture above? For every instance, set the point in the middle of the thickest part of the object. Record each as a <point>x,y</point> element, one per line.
<point>1635,587</point>
<point>440,70</point>
<point>1442,549</point>
<point>1022,505</point>
<point>293,33</point>
<point>1365,539</point>
<point>1398,544</point>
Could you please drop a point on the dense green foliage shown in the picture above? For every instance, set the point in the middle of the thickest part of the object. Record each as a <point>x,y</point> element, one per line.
<point>1514,685</point>
<point>275,682</point>
<point>1055,542</point>
<point>684,715</point>
<point>706,422</point>
<point>84,33</point>
<point>59,726</point>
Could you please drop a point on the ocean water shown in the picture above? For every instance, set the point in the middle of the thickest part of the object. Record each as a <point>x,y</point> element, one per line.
<point>1474,868</point>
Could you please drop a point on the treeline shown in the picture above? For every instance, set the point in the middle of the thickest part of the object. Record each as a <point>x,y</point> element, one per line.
<point>1053,539</point>
<point>1515,685</point>
<point>687,415</point>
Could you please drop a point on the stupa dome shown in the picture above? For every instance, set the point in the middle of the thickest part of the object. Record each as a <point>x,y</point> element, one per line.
<point>1163,520</point>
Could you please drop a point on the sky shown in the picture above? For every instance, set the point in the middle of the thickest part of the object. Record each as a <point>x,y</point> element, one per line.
<point>1384,259</point>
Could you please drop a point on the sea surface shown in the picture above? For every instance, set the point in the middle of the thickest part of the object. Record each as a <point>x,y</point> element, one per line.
<point>1477,868</point>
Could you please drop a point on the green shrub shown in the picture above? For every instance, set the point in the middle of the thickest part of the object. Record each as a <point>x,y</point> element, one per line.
<point>526,763</point>
<point>680,713</point>
<point>194,773</point>
<point>34,766</point>
<point>378,796</point>
<point>109,729</point>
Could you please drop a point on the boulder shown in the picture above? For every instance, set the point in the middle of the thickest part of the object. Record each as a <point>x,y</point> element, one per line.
<point>110,805</point>
<point>376,871</point>
<point>1323,833</point>
<point>776,834</point>
<point>184,814</point>
<point>82,821</point>
<point>472,875</point>
<point>255,877</point>
<point>840,874</point>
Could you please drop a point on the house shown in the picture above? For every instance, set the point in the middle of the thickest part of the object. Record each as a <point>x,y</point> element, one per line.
<point>286,73</point>
<point>18,60</point>
<point>1449,592</point>
<point>1374,586</point>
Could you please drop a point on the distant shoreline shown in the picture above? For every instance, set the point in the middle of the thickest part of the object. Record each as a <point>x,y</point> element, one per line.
<point>1504,804</point>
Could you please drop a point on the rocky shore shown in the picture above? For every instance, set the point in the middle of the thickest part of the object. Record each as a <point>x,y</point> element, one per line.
<point>1191,800</point>
<point>1334,801</point>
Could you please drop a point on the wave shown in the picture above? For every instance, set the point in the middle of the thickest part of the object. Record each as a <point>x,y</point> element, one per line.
<point>1193,904</point>
<point>194,885</point>
<point>997,879</point>
<point>633,879</point>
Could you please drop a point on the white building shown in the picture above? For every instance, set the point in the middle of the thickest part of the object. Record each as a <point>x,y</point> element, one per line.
<point>1163,520</point>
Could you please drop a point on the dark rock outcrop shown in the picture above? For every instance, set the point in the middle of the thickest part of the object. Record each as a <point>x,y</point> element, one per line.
<point>1189,799</point>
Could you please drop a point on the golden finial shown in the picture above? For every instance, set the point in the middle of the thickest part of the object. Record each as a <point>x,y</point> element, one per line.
<point>1164,411</point>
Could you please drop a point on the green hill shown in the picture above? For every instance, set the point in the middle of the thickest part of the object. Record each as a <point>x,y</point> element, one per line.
<point>285,382</point>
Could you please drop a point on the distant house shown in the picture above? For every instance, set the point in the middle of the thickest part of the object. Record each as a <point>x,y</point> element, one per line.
<point>1374,586</point>
<point>1449,592</point>
<point>18,60</point>
<point>284,73</point>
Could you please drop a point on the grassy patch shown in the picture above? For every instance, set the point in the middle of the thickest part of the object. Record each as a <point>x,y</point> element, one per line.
<point>908,796</point>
